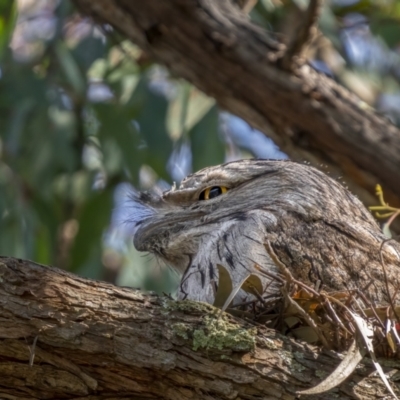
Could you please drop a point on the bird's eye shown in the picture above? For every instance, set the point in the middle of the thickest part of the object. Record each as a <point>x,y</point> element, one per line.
<point>211,192</point>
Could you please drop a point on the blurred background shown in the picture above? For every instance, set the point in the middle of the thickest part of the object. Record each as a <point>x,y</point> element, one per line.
<point>86,116</point>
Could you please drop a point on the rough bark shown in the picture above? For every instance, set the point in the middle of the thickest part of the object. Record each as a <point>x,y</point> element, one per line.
<point>93,340</point>
<point>216,47</point>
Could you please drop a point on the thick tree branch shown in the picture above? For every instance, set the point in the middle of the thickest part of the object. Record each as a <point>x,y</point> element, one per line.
<point>92,340</point>
<point>214,45</point>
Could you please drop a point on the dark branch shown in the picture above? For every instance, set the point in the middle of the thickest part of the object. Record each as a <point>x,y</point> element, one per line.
<point>62,336</point>
<point>312,118</point>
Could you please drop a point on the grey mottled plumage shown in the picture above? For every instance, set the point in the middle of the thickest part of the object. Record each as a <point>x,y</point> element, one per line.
<point>317,228</point>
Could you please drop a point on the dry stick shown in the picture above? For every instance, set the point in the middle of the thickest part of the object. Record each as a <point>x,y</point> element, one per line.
<point>284,270</point>
<point>366,287</point>
<point>340,304</point>
<point>308,319</point>
<point>244,303</point>
<point>289,279</point>
<point>259,297</point>
<point>267,287</point>
<point>386,278</point>
<point>307,288</point>
<point>271,302</point>
<point>368,303</point>
<point>392,218</point>
<point>268,274</point>
<point>323,297</point>
<point>395,294</point>
<point>332,312</point>
<point>32,351</point>
<point>355,301</point>
<point>282,267</point>
<point>302,35</point>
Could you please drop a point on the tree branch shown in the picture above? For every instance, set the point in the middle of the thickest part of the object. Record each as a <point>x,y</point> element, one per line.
<point>92,340</point>
<point>312,118</point>
<point>301,34</point>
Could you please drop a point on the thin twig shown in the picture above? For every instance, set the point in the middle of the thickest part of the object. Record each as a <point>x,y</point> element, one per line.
<point>282,267</point>
<point>386,278</point>
<point>307,288</point>
<point>32,351</point>
<point>392,218</point>
<point>307,318</point>
<point>268,274</point>
<point>368,303</point>
<point>244,303</point>
<point>332,312</point>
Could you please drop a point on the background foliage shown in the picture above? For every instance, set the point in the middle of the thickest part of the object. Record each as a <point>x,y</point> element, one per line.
<point>84,114</point>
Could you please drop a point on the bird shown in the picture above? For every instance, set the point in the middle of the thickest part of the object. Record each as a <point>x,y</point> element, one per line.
<point>229,215</point>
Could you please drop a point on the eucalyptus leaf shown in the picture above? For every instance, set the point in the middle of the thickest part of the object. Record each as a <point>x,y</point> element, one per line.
<point>225,286</point>
<point>93,221</point>
<point>87,51</point>
<point>70,68</point>
<point>366,333</point>
<point>305,333</point>
<point>150,114</point>
<point>187,108</point>
<point>346,367</point>
<point>116,125</point>
<point>253,285</point>
<point>250,283</point>
<point>8,17</point>
<point>386,231</point>
<point>207,147</point>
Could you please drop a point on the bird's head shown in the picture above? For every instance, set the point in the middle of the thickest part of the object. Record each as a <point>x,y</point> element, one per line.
<point>173,225</point>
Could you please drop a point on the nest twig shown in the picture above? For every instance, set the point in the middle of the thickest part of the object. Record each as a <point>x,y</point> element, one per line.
<point>322,317</point>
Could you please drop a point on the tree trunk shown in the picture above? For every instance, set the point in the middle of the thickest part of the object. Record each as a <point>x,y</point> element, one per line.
<point>64,337</point>
<point>216,47</point>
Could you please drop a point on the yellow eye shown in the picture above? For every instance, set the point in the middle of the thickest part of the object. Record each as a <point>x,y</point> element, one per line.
<point>211,192</point>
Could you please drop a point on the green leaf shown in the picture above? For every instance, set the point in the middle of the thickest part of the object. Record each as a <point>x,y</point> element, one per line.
<point>117,126</point>
<point>186,110</point>
<point>388,29</point>
<point>87,51</point>
<point>48,217</point>
<point>8,17</point>
<point>71,70</point>
<point>151,115</point>
<point>43,249</point>
<point>207,147</point>
<point>93,220</point>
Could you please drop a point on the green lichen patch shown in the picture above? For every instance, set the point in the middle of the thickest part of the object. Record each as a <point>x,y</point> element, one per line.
<point>222,335</point>
<point>216,332</point>
<point>289,360</point>
<point>268,343</point>
<point>181,329</point>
